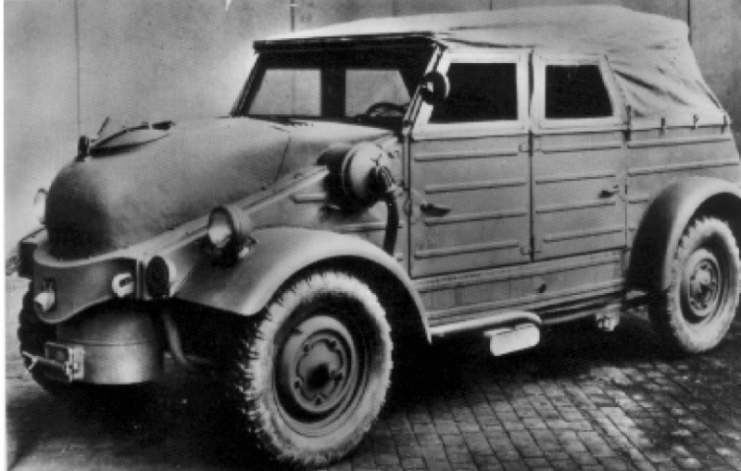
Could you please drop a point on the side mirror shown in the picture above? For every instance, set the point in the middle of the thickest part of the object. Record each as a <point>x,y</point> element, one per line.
<point>434,88</point>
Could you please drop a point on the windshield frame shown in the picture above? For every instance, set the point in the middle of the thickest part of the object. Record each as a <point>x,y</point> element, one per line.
<point>269,53</point>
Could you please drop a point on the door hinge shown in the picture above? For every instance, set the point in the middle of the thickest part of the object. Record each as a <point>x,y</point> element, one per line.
<point>534,146</point>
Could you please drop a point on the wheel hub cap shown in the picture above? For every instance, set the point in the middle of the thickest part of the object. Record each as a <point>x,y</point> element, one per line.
<point>318,369</point>
<point>702,284</point>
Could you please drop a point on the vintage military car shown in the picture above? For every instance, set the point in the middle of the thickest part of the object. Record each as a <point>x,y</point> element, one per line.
<point>385,180</point>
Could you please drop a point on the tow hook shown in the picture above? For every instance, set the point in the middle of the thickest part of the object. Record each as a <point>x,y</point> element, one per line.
<point>61,362</point>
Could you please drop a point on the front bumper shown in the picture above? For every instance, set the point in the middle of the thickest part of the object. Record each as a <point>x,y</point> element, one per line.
<point>116,344</point>
<point>77,285</point>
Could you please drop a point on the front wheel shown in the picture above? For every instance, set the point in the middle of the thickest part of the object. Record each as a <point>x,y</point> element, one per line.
<point>312,374</point>
<point>696,311</point>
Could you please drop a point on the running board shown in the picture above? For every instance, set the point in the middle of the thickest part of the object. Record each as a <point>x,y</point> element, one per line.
<point>502,319</point>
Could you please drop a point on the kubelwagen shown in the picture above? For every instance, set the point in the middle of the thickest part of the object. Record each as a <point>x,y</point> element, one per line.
<point>486,173</point>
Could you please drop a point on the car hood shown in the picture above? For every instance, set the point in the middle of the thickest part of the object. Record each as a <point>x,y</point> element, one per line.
<point>143,182</point>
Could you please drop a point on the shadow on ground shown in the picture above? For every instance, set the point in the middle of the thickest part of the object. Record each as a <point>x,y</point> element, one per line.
<point>183,422</point>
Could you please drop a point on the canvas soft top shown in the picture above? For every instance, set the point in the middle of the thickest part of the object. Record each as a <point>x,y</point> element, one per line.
<point>649,54</point>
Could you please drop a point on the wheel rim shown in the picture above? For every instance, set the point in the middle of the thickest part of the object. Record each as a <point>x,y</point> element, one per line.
<point>703,287</point>
<point>321,373</point>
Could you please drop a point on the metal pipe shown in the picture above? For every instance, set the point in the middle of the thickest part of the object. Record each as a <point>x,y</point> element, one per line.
<point>564,318</point>
<point>689,20</point>
<point>292,6</point>
<point>175,345</point>
<point>392,225</point>
<point>78,66</point>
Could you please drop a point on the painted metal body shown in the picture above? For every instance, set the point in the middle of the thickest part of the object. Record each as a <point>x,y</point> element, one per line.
<point>120,344</point>
<point>552,217</point>
<point>280,253</point>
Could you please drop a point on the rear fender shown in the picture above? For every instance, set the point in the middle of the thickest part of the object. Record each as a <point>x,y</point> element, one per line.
<point>280,253</point>
<point>664,223</point>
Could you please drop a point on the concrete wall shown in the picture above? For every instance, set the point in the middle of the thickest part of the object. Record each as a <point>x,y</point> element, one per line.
<point>149,60</point>
<point>315,13</point>
<point>716,39</point>
<point>71,63</point>
<point>40,103</point>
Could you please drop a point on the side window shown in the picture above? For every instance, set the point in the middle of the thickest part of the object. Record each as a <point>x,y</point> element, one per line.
<point>479,92</point>
<point>575,92</point>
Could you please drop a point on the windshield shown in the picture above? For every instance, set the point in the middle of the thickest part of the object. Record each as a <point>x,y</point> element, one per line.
<point>365,86</point>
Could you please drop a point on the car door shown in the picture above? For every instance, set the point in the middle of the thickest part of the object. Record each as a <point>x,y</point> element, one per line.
<point>469,168</point>
<point>578,174</point>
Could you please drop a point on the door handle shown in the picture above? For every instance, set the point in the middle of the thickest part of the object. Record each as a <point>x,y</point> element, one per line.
<point>610,190</point>
<point>434,209</point>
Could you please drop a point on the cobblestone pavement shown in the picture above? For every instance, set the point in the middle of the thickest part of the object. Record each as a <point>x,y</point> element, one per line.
<point>581,400</point>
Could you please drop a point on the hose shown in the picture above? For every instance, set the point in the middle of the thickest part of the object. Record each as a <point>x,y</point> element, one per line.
<point>173,340</point>
<point>385,186</point>
<point>175,345</point>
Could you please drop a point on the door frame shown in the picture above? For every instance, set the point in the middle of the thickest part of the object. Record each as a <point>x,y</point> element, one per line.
<point>422,129</point>
<point>609,134</point>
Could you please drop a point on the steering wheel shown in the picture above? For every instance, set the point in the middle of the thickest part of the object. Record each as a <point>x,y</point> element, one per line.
<point>383,108</point>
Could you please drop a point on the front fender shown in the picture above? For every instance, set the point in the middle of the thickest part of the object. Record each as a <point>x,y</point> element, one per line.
<point>664,223</point>
<point>279,254</point>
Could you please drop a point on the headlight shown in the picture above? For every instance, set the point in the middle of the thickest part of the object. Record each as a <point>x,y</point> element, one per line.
<point>159,276</point>
<point>356,173</point>
<point>220,229</point>
<point>46,299</point>
<point>229,231</point>
<point>39,206</point>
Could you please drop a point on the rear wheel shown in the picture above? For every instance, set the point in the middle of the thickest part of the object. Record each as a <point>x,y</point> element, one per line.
<point>311,375</point>
<point>695,313</point>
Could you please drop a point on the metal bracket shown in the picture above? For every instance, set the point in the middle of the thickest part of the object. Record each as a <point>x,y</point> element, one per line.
<point>533,146</point>
<point>61,362</point>
<point>608,318</point>
<point>537,245</point>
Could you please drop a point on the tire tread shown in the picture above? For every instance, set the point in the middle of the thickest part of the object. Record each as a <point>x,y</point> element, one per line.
<point>249,378</point>
<point>665,309</point>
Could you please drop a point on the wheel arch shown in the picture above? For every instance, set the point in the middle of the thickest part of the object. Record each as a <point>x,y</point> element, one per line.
<point>282,254</point>
<point>405,312</point>
<point>665,220</point>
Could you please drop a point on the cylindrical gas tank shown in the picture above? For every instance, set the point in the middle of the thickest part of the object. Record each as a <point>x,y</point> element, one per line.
<point>121,344</point>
